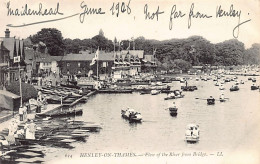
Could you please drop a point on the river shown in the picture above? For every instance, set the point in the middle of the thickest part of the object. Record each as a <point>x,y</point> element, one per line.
<point>224,127</point>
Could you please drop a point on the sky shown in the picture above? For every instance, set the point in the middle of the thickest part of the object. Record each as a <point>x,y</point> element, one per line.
<point>133,21</point>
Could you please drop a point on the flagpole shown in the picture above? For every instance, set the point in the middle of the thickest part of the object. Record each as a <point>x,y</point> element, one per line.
<point>20,81</point>
<point>97,63</point>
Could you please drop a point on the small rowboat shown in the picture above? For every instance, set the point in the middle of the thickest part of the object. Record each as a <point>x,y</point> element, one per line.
<point>192,134</point>
<point>131,115</point>
<point>173,111</point>
<point>210,101</point>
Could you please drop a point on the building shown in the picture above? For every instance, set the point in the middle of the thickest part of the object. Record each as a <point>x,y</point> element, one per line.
<point>80,64</point>
<point>4,63</point>
<point>149,64</point>
<point>38,63</point>
<point>15,48</point>
<point>127,63</point>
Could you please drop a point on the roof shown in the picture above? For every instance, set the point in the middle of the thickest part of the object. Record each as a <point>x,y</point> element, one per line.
<point>9,94</point>
<point>78,57</point>
<point>104,56</point>
<point>139,53</point>
<point>2,47</point>
<point>39,57</point>
<point>9,44</point>
<point>149,58</point>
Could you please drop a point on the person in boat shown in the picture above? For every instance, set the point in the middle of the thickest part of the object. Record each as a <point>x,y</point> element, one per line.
<point>30,129</point>
<point>195,131</point>
<point>222,97</point>
<point>211,98</point>
<point>174,105</point>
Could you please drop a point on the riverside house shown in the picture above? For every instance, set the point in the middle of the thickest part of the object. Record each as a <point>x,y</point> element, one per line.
<point>14,47</point>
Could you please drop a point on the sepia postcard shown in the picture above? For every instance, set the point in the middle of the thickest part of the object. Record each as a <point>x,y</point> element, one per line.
<point>130,81</point>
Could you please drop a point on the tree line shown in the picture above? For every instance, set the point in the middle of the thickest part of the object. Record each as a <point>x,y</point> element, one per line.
<point>169,54</point>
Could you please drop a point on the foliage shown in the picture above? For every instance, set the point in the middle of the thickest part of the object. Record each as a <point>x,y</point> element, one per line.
<point>28,91</point>
<point>252,55</point>
<point>53,40</point>
<point>169,54</point>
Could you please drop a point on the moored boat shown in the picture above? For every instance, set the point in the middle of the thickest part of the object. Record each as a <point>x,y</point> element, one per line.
<point>155,92</point>
<point>65,113</point>
<point>170,96</point>
<point>192,133</point>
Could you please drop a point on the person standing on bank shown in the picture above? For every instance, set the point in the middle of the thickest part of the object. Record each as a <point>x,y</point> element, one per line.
<point>21,113</point>
<point>30,130</point>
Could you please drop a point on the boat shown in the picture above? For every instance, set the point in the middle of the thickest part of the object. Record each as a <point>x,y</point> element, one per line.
<point>217,84</point>
<point>178,94</point>
<point>64,113</point>
<point>222,99</point>
<point>210,101</point>
<point>189,88</point>
<point>115,91</point>
<point>254,87</point>
<point>221,87</point>
<point>155,92</point>
<point>182,80</point>
<point>173,110</point>
<point>170,96</point>
<point>131,115</point>
<point>242,82</point>
<point>197,79</point>
<point>58,101</point>
<point>254,80</point>
<point>192,133</point>
<point>143,92</point>
<point>227,80</point>
<point>234,88</point>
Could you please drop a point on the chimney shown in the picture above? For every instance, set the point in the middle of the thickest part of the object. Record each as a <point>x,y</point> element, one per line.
<point>7,33</point>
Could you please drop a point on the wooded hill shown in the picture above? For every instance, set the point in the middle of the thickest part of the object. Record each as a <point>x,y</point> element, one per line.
<point>182,53</point>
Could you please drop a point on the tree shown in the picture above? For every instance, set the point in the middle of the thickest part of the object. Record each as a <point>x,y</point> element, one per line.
<point>53,40</point>
<point>103,43</point>
<point>252,55</point>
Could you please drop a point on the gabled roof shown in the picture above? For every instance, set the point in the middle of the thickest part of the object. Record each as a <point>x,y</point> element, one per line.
<point>9,44</point>
<point>2,47</point>
<point>30,55</point>
<point>139,53</point>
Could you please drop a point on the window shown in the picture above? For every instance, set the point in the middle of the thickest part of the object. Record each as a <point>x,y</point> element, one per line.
<point>68,64</point>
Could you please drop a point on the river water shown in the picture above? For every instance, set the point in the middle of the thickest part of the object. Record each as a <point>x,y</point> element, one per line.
<point>223,126</point>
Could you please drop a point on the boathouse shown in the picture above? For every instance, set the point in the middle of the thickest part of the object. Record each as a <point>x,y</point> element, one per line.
<point>80,64</point>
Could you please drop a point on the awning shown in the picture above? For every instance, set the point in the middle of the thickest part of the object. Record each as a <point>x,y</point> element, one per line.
<point>8,100</point>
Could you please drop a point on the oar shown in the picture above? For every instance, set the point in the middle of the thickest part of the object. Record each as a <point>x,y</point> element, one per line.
<point>200,98</point>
